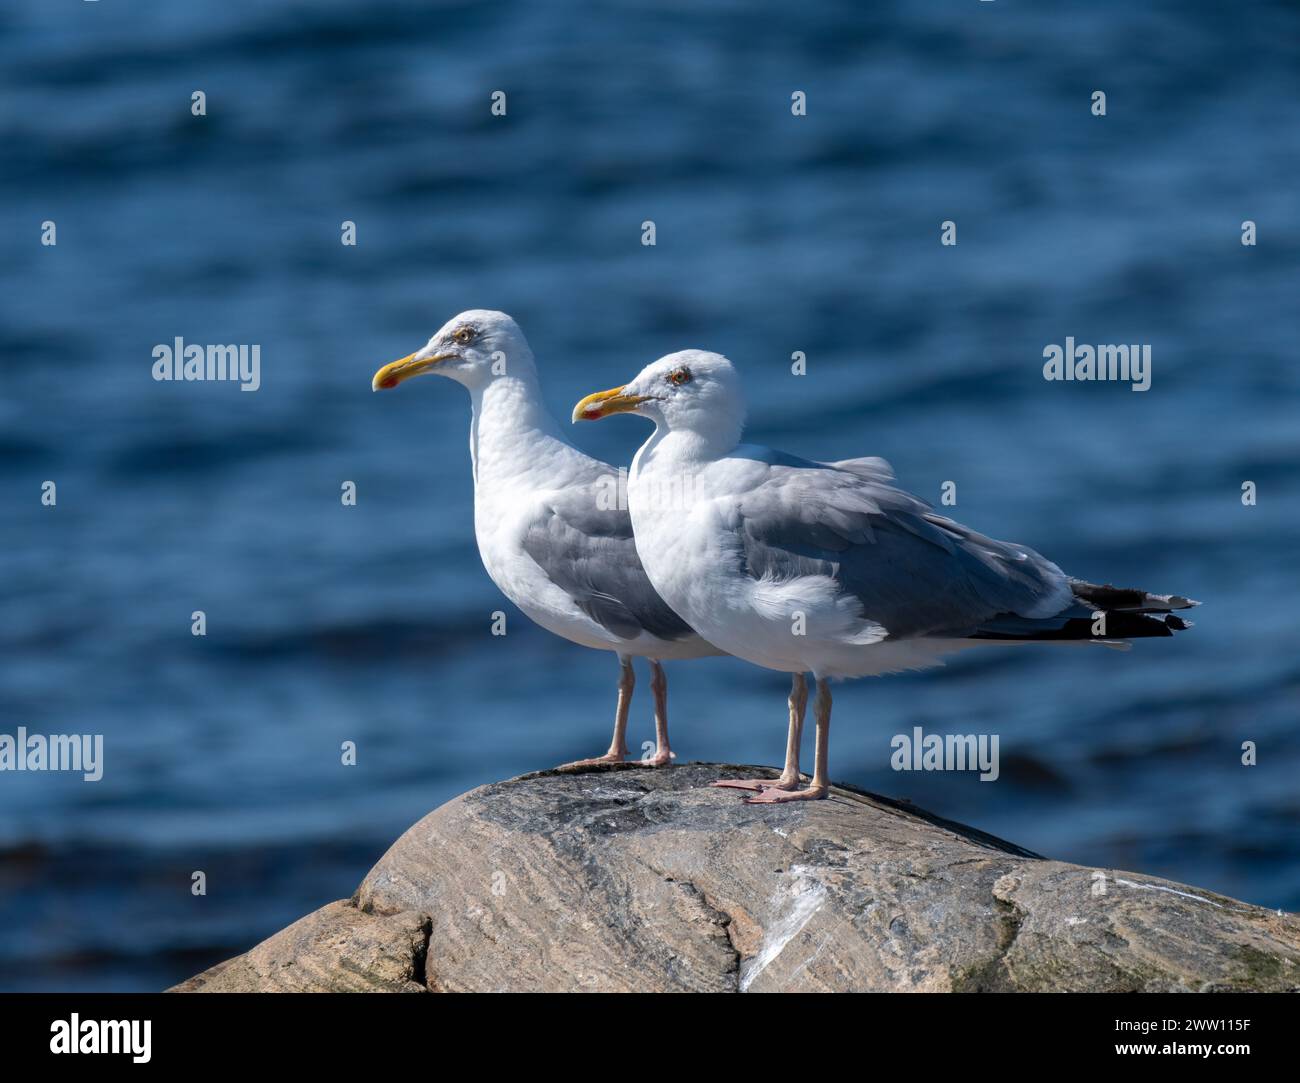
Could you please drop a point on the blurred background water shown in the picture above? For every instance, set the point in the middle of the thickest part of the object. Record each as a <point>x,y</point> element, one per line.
<point>775,233</point>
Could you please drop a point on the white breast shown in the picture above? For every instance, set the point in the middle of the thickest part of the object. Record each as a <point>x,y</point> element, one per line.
<point>501,517</point>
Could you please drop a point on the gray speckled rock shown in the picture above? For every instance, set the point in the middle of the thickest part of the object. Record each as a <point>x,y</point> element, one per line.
<point>628,878</point>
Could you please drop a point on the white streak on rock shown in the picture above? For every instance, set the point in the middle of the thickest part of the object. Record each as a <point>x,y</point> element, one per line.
<point>808,897</point>
<point>1170,890</point>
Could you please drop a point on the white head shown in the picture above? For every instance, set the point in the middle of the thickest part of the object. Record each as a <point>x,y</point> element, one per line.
<point>474,348</point>
<point>690,391</point>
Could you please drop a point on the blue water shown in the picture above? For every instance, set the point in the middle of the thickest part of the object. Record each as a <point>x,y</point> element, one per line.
<point>775,233</point>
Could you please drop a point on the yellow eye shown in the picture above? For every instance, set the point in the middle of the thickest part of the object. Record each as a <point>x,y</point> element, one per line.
<point>679,377</point>
<point>464,335</point>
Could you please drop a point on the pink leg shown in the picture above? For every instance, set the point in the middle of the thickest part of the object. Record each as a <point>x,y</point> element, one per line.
<point>820,785</point>
<point>663,754</point>
<point>798,704</point>
<point>618,746</point>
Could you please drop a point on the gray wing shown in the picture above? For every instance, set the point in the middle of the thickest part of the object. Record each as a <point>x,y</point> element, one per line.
<point>588,551</point>
<point>913,571</point>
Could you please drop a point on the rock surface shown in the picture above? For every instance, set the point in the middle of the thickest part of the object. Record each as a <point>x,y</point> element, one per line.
<point>629,878</point>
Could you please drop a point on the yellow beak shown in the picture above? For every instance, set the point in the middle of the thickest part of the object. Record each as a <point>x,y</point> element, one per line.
<point>404,368</point>
<point>604,403</point>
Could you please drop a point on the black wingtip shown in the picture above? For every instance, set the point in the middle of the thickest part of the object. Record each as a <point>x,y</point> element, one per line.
<point>1128,599</point>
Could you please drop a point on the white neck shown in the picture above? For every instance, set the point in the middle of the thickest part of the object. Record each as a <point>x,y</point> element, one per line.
<point>508,415</point>
<point>686,446</point>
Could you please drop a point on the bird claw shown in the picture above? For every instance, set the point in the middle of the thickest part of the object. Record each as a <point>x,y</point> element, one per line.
<point>775,796</point>
<point>738,783</point>
<point>595,761</point>
<point>756,784</point>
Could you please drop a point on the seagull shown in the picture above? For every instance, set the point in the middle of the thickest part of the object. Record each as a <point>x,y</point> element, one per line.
<point>552,531</point>
<point>829,568</point>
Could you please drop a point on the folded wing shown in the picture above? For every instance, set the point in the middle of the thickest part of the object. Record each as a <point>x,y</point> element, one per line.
<point>912,571</point>
<point>583,541</point>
